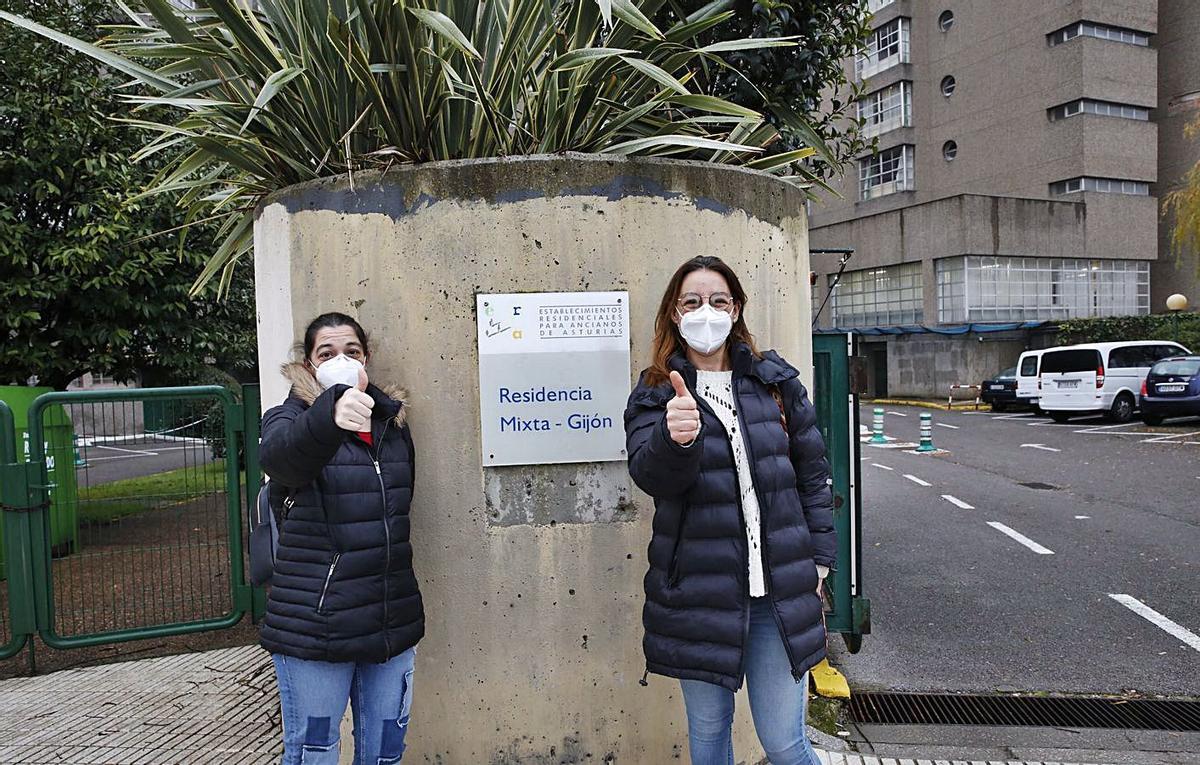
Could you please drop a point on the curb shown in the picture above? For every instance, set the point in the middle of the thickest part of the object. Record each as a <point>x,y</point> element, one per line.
<point>926,404</point>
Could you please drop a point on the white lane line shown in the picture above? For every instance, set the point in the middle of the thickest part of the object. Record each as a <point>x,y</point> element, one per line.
<point>956,501</point>
<point>944,425</point>
<point>916,480</point>
<point>1043,447</point>
<point>142,452</point>
<point>1083,517</point>
<point>1158,620</point>
<point>898,414</point>
<point>881,467</point>
<point>1018,536</point>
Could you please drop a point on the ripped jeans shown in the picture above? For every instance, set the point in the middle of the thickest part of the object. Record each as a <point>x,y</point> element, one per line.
<point>313,696</point>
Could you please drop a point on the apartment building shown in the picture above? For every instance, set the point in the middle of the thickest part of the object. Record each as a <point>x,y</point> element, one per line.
<point>1022,149</point>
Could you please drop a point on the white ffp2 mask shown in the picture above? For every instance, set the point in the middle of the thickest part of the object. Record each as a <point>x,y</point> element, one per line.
<point>340,369</point>
<point>705,329</point>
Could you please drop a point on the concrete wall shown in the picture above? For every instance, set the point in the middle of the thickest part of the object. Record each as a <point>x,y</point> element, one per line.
<point>1179,104</point>
<point>927,365</point>
<point>534,628</point>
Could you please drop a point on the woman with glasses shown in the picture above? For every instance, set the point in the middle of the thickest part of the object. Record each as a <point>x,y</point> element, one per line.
<point>724,438</point>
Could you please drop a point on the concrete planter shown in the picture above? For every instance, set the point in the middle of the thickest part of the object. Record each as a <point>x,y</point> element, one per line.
<point>531,576</point>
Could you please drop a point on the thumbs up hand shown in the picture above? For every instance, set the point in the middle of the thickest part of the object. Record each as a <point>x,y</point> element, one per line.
<point>683,416</point>
<point>353,410</point>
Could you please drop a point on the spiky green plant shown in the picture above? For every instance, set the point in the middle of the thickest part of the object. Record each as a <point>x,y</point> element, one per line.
<point>295,90</point>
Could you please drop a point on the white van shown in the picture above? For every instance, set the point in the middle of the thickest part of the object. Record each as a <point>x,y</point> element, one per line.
<point>1028,368</point>
<point>1098,377</point>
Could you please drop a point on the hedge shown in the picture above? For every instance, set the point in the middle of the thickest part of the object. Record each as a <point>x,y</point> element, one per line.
<point>1183,329</point>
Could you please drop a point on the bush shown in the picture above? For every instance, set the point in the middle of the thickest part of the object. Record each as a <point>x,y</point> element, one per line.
<point>1183,329</point>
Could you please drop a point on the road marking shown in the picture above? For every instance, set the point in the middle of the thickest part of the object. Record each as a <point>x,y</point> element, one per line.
<point>944,425</point>
<point>1168,438</point>
<point>881,467</point>
<point>916,480</point>
<point>898,414</point>
<point>1018,536</point>
<point>1082,517</point>
<point>956,501</point>
<point>1043,447</point>
<point>1157,619</point>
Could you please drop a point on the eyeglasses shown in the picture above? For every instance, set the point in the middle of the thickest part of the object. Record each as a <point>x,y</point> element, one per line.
<point>690,301</point>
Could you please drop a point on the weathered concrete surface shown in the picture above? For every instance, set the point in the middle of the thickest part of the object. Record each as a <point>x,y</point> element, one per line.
<point>532,577</point>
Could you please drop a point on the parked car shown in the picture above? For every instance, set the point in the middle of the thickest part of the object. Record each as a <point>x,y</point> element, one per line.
<point>1000,391</point>
<point>1028,368</point>
<point>1099,377</point>
<point>1171,389</point>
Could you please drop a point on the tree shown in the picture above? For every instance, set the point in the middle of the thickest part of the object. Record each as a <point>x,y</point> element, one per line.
<point>304,89</point>
<point>807,80</point>
<point>1184,203</point>
<point>85,285</point>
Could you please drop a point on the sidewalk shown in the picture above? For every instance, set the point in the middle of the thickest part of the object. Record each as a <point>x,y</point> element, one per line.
<point>211,707</point>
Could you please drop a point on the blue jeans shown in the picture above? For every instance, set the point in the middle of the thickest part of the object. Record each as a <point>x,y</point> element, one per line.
<point>777,702</point>
<point>313,695</point>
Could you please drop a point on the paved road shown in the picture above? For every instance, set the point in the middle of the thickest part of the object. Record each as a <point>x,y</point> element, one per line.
<point>961,605</point>
<point>139,456</point>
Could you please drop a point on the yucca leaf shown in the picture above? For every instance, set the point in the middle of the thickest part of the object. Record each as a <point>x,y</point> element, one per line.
<point>656,73</point>
<point>750,43</point>
<point>714,105</point>
<point>444,26</point>
<point>108,58</point>
<point>584,56</point>
<point>776,161</point>
<point>687,141</point>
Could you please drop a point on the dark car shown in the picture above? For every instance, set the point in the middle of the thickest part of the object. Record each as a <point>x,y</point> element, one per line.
<point>1172,389</point>
<point>1000,391</point>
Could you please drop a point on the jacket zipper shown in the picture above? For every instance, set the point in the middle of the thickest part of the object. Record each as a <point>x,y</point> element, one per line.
<point>745,578</point>
<point>328,578</point>
<point>762,535</point>
<point>387,538</point>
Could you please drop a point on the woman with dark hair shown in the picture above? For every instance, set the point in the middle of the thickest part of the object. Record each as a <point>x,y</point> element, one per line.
<point>344,612</point>
<point>725,440</point>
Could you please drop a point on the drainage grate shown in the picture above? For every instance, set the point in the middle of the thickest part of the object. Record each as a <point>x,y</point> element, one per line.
<point>1039,711</point>
<point>1039,486</point>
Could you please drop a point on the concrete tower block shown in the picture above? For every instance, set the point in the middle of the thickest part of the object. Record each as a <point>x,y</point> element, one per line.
<point>532,576</point>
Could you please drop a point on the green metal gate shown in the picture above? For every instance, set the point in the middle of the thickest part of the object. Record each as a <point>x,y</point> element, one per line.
<point>157,544</point>
<point>837,416</point>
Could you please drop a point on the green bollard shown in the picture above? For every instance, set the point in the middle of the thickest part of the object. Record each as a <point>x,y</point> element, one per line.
<point>926,434</point>
<point>877,427</point>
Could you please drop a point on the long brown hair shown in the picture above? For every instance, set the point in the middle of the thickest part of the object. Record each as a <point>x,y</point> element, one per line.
<point>668,341</point>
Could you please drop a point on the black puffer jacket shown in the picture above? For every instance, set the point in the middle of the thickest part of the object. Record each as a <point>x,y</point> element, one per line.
<point>344,587</point>
<point>697,589</point>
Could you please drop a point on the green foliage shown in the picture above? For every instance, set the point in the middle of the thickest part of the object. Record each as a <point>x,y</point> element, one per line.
<point>304,89</point>
<point>107,502</point>
<point>808,80</point>
<point>1183,329</point>
<point>84,286</point>
<point>1183,205</point>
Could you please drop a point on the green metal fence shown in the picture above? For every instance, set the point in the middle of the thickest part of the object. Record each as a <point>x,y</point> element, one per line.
<point>836,403</point>
<point>118,526</point>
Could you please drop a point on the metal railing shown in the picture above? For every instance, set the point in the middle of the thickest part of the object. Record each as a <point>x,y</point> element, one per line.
<point>122,515</point>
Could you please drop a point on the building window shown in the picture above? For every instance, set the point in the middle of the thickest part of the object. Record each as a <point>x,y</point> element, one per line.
<point>945,20</point>
<point>949,151</point>
<point>887,172</point>
<point>879,297</point>
<point>874,6</point>
<point>1101,185</point>
<point>1100,31</point>
<point>886,109</point>
<point>886,47</point>
<point>985,288</point>
<point>947,86</point>
<point>1102,108</point>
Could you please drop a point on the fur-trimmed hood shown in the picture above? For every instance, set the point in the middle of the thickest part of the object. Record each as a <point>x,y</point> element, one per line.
<point>306,388</point>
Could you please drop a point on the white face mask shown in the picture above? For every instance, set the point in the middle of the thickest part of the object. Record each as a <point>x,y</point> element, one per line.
<point>705,329</point>
<point>340,369</point>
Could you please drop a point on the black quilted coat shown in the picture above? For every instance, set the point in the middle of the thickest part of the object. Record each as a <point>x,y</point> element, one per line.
<point>343,588</point>
<point>697,588</point>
